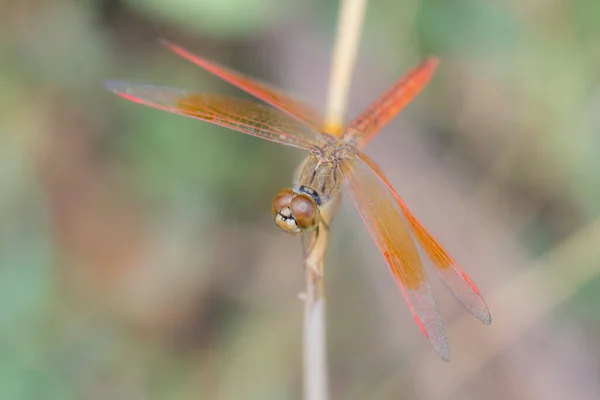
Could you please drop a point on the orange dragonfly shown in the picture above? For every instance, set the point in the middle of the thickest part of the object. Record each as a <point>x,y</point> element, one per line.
<point>334,159</point>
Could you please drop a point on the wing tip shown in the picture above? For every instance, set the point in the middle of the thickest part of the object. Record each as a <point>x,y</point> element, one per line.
<point>167,43</point>
<point>114,85</point>
<point>437,338</point>
<point>444,354</point>
<point>429,66</point>
<point>436,334</point>
<point>475,305</point>
<point>188,55</point>
<point>484,316</point>
<point>479,309</point>
<point>441,346</point>
<point>434,61</point>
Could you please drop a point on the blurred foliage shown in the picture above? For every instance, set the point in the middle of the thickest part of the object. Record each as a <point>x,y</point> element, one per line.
<point>228,19</point>
<point>468,28</point>
<point>138,259</point>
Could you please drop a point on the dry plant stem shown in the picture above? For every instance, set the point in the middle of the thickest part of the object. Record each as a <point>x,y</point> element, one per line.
<point>314,355</point>
<point>350,22</point>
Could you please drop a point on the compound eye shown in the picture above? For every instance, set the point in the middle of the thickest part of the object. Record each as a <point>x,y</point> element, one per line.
<point>282,200</point>
<point>305,211</point>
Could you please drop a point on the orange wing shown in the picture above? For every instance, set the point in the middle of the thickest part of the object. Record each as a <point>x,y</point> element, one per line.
<point>230,112</point>
<point>451,274</point>
<point>382,111</point>
<point>383,217</point>
<point>260,90</point>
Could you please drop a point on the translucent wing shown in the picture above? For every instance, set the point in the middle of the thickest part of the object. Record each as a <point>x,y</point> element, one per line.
<point>451,274</point>
<point>382,111</point>
<point>384,219</point>
<point>260,90</point>
<point>230,112</point>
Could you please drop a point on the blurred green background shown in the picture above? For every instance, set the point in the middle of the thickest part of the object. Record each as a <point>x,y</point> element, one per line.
<point>138,259</point>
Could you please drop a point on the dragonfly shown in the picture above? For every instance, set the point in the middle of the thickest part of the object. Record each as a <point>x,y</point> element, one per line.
<point>335,159</point>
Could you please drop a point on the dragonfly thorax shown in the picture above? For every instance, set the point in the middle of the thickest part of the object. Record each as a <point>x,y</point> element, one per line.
<point>319,175</point>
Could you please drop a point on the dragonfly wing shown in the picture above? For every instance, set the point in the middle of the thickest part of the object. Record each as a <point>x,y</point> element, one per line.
<point>385,221</point>
<point>451,274</point>
<point>382,111</point>
<point>260,90</point>
<point>241,115</point>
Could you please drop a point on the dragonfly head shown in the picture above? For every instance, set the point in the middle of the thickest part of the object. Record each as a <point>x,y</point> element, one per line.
<point>295,212</point>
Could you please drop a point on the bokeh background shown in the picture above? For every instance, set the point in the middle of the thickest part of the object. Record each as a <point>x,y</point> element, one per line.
<point>138,259</point>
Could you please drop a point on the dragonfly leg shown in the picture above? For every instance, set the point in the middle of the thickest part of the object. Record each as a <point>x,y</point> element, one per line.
<point>315,242</point>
